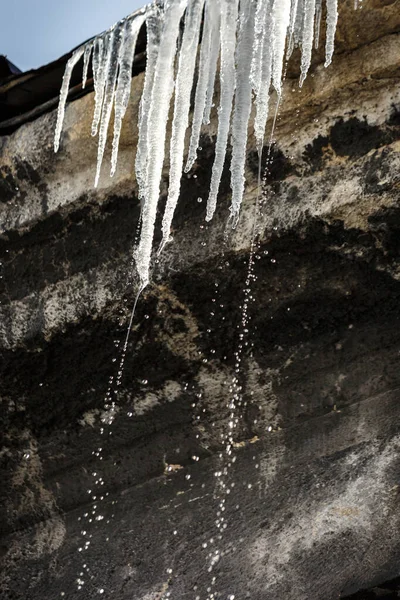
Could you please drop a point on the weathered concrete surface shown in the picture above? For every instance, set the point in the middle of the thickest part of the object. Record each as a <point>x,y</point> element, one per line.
<point>318,435</point>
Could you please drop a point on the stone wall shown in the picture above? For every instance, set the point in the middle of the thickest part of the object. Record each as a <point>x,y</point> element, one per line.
<point>314,508</point>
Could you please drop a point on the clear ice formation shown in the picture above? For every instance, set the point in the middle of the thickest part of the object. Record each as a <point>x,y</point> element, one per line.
<point>188,42</point>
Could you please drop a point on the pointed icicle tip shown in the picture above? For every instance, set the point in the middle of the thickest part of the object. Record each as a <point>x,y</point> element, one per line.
<point>64,94</point>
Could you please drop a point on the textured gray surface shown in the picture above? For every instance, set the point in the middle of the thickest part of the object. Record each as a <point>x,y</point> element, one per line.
<point>319,437</point>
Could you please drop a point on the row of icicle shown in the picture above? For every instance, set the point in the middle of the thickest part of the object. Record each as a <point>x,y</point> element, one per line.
<point>249,39</point>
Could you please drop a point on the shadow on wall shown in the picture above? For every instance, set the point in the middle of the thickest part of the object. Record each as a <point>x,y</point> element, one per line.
<point>390,590</point>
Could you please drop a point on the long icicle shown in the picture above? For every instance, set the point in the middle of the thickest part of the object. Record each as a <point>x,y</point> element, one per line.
<point>208,50</point>
<point>86,61</point>
<point>123,91</point>
<point>331,23</point>
<point>262,100</point>
<point>183,89</point>
<point>154,21</point>
<point>227,77</point>
<point>256,61</point>
<point>100,58</point>
<point>241,114</point>
<point>214,54</point>
<point>280,24</point>
<point>157,124</point>
<point>111,71</point>
<point>64,94</point>
<point>307,39</point>
<point>318,15</point>
<point>293,14</point>
<point>296,26</point>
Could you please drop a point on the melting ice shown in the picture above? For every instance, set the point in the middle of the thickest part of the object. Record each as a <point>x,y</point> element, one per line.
<point>249,39</point>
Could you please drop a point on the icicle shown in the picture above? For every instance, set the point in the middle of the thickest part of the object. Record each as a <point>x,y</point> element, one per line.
<point>154,21</point>
<point>257,52</point>
<point>111,70</point>
<point>229,16</point>
<point>256,61</point>
<point>86,60</point>
<point>296,26</point>
<point>214,54</point>
<point>262,100</point>
<point>156,134</point>
<point>123,91</point>
<point>208,51</point>
<point>293,14</point>
<point>281,20</point>
<point>331,22</point>
<point>64,94</point>
<point>100,57</point>
<point>307,39</point>
<point>241,114</point>
<point>318,15</point>
<point>97,59</point>
<point>183,89</point>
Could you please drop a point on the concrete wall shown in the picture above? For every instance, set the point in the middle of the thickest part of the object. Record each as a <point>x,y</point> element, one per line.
<point>314,510</point>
